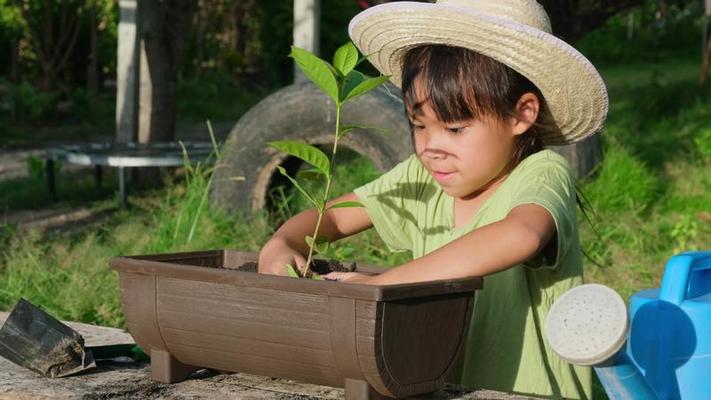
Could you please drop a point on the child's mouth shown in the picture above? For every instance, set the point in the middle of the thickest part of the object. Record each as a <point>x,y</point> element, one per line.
<point>442,176</point>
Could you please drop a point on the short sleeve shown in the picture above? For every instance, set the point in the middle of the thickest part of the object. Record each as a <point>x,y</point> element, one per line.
<point>549,182</point>
<point>391,202</point>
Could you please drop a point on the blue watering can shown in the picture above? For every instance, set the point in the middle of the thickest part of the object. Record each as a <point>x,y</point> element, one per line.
<point>667,333</point>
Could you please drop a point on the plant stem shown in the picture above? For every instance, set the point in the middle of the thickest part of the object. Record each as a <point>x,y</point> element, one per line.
<point>322,209</point>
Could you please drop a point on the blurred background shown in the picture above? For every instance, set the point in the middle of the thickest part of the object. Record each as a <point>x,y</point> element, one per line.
<point>650,196</point>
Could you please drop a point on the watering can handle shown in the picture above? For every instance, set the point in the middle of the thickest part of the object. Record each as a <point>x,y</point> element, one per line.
<point>678,273</point>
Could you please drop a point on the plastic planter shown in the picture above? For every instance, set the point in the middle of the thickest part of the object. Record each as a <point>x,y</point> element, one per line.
<point>195,310</point>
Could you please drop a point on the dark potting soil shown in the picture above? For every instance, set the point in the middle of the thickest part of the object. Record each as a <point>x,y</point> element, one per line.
<point>248,267</point>
<point>321,267</point>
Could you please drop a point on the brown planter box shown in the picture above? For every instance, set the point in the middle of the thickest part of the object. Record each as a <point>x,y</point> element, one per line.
<point>193,310</point>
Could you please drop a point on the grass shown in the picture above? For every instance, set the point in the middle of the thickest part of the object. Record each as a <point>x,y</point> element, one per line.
<point>650,196</point>
<point>652,192</point>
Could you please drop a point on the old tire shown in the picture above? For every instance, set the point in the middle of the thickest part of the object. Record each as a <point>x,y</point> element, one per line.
<point>302,112</point>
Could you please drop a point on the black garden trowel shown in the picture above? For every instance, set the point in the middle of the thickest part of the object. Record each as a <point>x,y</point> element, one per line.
<point>35,340</point>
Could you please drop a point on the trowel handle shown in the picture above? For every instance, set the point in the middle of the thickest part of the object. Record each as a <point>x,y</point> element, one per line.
<point>680,273</point>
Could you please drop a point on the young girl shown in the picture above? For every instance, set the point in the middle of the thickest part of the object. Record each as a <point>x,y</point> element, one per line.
<point>485,86</point>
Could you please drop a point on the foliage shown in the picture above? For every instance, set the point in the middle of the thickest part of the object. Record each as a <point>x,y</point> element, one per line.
<point>651,38</point>
<point>52,39</point>
<point>276,34</point>
<point>216,96</point>
<point>703,144</point>
<point>29,104</point>
<point>342,83</point>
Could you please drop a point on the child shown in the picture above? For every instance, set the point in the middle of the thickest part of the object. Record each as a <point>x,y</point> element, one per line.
<point>485,86</point>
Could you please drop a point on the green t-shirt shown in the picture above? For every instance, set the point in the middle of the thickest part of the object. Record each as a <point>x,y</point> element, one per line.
<point>506,347</point>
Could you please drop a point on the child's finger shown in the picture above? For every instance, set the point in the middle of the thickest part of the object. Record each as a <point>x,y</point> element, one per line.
<point>335,276</point>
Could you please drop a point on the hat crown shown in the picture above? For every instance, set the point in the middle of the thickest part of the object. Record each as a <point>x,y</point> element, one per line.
<point>526,12</point>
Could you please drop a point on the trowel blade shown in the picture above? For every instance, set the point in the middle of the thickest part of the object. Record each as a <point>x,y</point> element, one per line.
<point>35,340</point>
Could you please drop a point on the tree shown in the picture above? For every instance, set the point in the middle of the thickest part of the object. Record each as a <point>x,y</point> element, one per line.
<point>164,27</point>
<point>53,28</point>
<point>570,19</point>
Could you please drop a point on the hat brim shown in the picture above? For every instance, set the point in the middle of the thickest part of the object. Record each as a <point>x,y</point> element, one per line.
<point>573,89</point>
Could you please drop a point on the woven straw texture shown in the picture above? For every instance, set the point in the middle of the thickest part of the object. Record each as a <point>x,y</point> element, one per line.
<point>514,32</point>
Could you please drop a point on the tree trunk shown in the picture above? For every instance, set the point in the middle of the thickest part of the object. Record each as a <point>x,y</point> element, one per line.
<point>15,62</point>
<point>92,71</point>
<point>53,43</point>
<point>706,55</point>
<point>163,29</point>
<point>571,20</point>
<point>706,59</point>
<point>200,26</point>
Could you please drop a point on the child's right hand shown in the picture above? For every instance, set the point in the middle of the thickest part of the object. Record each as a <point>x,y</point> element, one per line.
<point>276,255</point>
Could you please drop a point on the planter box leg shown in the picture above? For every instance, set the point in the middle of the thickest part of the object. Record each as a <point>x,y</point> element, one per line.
<point>361,390</point>
<point>166,369</point>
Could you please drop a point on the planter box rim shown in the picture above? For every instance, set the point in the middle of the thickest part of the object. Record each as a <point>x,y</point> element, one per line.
<point>166,265</point>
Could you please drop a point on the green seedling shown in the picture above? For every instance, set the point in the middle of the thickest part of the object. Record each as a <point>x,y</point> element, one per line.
<point>342,83</point>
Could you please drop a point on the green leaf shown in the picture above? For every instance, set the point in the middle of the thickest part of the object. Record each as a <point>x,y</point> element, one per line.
<point>350,82</point>
<point>310,174</point>
<point>292,272</point>
<point>366,86</point>
<point>346,204</point>
<point>317,277</point>
<point>317,70</point>
<point>345,58</point>
<point>321,245</point>
<point>316,204</point>
<point>306,152</point>
<point>335,73</point>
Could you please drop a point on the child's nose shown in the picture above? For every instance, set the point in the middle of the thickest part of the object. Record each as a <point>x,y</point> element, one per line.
<point>436,144</point>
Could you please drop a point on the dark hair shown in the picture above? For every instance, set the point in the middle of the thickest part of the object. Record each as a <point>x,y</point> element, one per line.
<point>462,84</point>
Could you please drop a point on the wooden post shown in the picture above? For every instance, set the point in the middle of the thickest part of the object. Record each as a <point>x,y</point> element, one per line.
<point>127,72</point>
<point>306,29</point>
<point>145,96</point>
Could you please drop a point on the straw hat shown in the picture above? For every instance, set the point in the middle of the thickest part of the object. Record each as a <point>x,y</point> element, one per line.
<point>514,32</point>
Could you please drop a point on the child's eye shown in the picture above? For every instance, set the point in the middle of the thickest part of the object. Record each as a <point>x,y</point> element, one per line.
<point>417,127</point>
<point>455,130</point>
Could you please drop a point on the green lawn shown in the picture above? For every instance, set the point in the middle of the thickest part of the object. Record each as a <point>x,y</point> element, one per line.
<point>652,193</point>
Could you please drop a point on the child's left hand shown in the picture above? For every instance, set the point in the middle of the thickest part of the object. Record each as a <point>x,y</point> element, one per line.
<point>350,277</point>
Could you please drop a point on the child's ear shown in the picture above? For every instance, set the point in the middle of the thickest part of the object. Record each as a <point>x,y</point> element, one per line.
<point>526,113</point>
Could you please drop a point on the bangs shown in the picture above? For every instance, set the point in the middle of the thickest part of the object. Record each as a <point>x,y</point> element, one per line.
<point>456,82</point>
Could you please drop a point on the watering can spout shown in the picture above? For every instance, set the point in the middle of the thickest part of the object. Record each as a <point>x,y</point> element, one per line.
<point>622,380</point>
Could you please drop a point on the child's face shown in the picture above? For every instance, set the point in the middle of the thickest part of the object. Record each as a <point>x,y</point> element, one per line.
<point>465,157</point>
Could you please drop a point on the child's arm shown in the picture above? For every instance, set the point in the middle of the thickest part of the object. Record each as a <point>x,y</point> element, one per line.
<point>287,245</point>
<point>492,248</point>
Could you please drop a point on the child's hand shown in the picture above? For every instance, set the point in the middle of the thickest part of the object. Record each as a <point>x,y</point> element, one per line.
<point>274,257</point>
<point>350,277</point>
